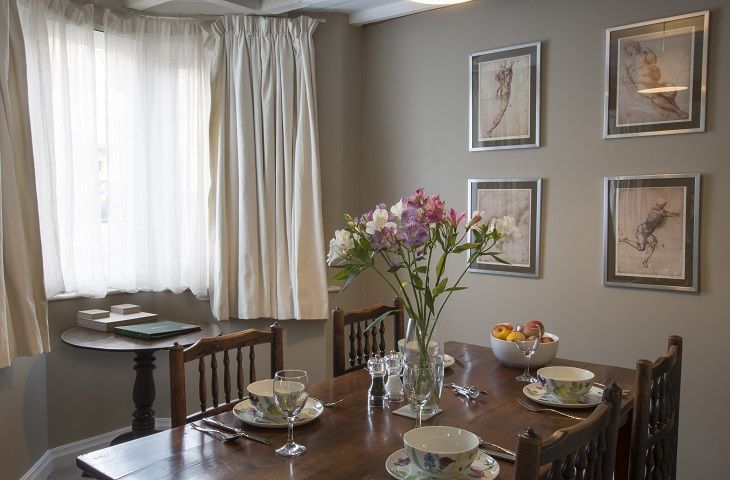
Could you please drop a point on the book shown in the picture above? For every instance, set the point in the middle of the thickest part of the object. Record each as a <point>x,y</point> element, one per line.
<point>116,320</point>
<point>153,331</point>
<point>126,308</point>
<point>93,313</point>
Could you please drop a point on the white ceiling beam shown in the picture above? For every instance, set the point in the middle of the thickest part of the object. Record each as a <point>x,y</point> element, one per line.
<point>143,4</point>
<point>275,7</point>
<point>386,12</point>
<point>238,6</point>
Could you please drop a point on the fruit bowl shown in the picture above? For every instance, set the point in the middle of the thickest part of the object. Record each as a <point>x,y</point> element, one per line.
<point>509,354</point>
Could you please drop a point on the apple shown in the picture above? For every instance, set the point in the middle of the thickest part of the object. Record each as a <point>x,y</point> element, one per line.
<point>546,340</point>
<point>515,336</point>
<point>501,330</point>
<point>534,328</point>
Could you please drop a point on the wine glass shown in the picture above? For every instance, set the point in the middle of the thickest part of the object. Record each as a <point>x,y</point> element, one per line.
<point>290,395</point>
<point>419,379</point>
<point>527,348</point>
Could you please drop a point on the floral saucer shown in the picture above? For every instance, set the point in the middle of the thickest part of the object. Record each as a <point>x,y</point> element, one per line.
<point>399,466</point>
<point>248,414</point>
<point>536,393</point>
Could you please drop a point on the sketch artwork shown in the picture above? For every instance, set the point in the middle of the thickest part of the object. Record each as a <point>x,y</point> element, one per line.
<point>516,203</point>
<point>654,78</point>
<point>650,238</point>
<point>504,98</point>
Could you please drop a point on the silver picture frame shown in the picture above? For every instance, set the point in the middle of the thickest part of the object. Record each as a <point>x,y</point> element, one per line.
<point>532,140</point>
<point>697,76</point>
<point>531,269</point>
<point>689,282</point>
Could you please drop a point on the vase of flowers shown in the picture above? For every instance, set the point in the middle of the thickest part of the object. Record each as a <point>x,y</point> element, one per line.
<point>409,246</point>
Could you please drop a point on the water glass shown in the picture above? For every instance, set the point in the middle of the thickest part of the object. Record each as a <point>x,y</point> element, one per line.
<point>291,389</point>
<point>419,379</point>
<point>527,348</point>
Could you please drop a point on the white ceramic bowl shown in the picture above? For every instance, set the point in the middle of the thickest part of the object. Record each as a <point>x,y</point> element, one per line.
<point>261,394</point>
<point>567,383</point>
<point>509,354</point>
<point>441,452</point>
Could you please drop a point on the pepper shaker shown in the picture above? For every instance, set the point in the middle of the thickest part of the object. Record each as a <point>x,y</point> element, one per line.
<point>377,396</point>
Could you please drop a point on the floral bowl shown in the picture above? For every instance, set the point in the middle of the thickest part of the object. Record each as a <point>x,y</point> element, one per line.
<point>441,452</point>
<point>261,394</point>
<point>508,353</point>
<point>566,383</point>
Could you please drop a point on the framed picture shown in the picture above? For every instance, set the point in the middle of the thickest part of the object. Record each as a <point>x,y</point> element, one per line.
<point>651,231</point>
<point>504,98</point>
<point>656,75</point>
<point>519,198</point>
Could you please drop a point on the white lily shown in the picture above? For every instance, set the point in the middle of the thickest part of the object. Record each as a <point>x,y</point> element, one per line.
<point>339,247</point>
<point>379,221</point>
<point>507,227</point>
<point>397,209</point>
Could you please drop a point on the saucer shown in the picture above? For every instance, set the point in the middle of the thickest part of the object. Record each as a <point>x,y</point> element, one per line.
<point>448,361</point>
<point>399,465</point>
<point>248,414</point>
<point>536,393</point>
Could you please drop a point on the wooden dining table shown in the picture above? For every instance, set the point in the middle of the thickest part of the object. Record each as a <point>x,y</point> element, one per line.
<point>350,440</point>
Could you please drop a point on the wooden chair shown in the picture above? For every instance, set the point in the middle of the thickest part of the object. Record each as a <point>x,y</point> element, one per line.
<point>654,430</point>
<point>367,343</point>
<point>586,450</point>
<point>179,356</point>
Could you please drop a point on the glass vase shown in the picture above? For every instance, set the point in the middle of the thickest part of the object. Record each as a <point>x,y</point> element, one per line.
<point>424,344</point>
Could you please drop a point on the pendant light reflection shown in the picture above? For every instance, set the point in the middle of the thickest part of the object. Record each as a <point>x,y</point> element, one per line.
<point>440,2</point>
<point>666,89</point>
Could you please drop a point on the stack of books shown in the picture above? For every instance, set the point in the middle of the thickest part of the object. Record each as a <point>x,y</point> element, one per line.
<point>105,321</point>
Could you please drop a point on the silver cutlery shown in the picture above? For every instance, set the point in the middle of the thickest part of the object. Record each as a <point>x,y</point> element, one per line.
<point>236,432</point>
<point>471,391</point>
<point>332,404</point>
<point>624,393</point>
<point>496,451</point>
<point>534,408</point>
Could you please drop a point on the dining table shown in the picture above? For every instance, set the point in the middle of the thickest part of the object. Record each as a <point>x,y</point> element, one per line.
<point>351,440</point>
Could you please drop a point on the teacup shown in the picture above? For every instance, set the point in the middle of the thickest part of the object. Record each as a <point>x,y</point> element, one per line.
<point>261,394</point>
<point>441,452</point>
<point>411,348</point>
<point>566,383</point>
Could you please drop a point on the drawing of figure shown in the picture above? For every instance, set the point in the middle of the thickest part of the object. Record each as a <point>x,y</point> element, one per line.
<point>640,70</point>
<point>645,239</point>
<point>504,90</point>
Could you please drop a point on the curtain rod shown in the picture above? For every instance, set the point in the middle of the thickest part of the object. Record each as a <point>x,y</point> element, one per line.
<point>113,6</point>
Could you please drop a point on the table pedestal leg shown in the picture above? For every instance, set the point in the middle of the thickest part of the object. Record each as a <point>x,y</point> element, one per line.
<point>143,422</point>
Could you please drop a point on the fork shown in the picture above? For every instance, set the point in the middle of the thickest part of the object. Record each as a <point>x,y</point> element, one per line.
<point>534,408</point>
<point>222,436</point>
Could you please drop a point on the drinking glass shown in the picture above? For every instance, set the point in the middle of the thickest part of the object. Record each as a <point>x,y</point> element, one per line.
<point>290,395</point>
<point>527,348</point>
<point>419,379</point>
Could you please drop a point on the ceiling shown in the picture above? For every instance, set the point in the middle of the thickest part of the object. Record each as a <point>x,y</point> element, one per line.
<point>361,12</point>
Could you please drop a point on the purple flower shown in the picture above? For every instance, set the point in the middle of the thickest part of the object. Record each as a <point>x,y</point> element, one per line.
<point>414,234</point>
<point>383,239</point>
<point>417,199</point>
<point>434,209</point>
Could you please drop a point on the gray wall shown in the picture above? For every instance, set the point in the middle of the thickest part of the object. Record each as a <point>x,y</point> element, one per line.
<point>415,132</point>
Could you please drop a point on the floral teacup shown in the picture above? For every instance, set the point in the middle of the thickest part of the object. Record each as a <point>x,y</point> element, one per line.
<point>565,383</point>
<point>441,452</point>
<point>261,394</point>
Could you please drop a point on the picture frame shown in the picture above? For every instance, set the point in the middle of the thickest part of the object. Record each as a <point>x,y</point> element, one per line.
<point>521,199</point>
<point>656,77</point>
<point>504,98</point>
<point>651,232</point>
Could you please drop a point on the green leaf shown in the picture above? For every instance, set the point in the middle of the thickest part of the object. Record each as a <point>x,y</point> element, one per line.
<point>342,274</point>
<point>395,268</point>
<point>440,265</point>
<point>455,289</point>
<point>422,269</point>
<point>429,300</point>
<point>439,289</point>
<point>377,321</point>
<point>467,246</point>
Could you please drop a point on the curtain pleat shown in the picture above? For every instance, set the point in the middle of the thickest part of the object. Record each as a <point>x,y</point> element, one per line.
<point>266,215</point>
<point>23,307</point>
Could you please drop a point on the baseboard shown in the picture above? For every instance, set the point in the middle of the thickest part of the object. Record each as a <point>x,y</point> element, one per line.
<point>64,456</point>
<point>41,469</point>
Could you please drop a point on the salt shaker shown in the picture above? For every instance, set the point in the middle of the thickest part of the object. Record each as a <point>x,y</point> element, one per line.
<point>377,396</point>
<point>394,386</point>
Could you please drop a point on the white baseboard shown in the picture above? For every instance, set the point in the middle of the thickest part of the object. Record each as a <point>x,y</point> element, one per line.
<point>64,456</point>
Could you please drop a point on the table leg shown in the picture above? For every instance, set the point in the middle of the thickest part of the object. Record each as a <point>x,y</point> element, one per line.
<point>143,395</point>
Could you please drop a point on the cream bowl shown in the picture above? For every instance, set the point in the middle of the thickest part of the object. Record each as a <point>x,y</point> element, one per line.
<point>567,383</point>
<point>261,394</point>
<point>441,452</point>
<point>508,353</point>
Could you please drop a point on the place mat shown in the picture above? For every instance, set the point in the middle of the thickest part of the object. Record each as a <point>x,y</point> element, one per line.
<point>405,411</point>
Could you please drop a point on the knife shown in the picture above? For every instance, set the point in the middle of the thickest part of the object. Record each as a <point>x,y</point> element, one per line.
<point>235,430</point>
<point>496,451</point>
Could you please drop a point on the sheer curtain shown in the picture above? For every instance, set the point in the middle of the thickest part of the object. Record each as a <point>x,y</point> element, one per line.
<point>157,91</point>
<point>23,307</point>
<point>267,244</point>
<point>59,38</point>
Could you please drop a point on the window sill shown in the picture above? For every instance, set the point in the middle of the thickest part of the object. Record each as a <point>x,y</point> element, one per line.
<point>73,296</point>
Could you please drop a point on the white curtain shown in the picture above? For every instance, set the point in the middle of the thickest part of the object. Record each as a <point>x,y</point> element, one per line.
<point>122,197</point>
<point>266,237</point>
<point>23,307</point>
<point>63,110</point>
<point>157,91</point>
